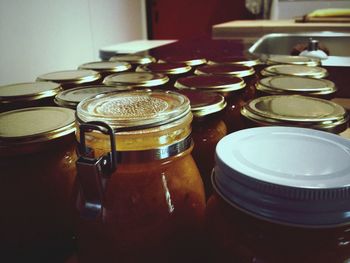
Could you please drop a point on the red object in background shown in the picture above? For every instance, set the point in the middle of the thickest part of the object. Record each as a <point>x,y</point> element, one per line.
<point>183,19</point>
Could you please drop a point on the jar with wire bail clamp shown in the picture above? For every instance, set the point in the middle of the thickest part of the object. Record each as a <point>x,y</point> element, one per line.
<point>72,78</point>
<point>149,195</point>
<point>207,130</point>
<point>37,150</point>
<point>29,94</point>
<point>281,195</point>
<point>232,88</point>
<point>296,110</point>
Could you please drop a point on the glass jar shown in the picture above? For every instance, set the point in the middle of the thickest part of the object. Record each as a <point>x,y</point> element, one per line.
<point>236,60</point>
<point>149,195</point>
<point>172,70</point>
<point>296,110</point>
<point>287,85</point>
<point>293,60</point>
<point>31,94</point>
<point>232,88</point>
<point>37,150</point>
<point>236,70</point>
<point>295,70</point>
<point>191,60</point>
<point>138,80</point>
<point>71,98</point>
<point>134,59</point>
<point>207,130</point>
<point>281,195</point>
<point>106,68</point>
<point>72,78</point>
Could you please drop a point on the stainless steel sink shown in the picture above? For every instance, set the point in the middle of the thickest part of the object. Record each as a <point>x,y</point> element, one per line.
<point>338,45</point>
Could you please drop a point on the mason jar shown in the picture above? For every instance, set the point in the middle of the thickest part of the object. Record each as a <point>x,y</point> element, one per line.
<point>106,68</point>
<point>295,70</point>
<point>191,60</point>
<point>293,60</point>
<point>235,70</point>
<point>37,150</point>
<point>72,78</point>
<point>138,80</point>
<point>281,195</point>
<point>208,128</point>
<point>134,60</point>
<point>288,85</point>
<point>140,189</point>
<point>295,110</point>
<point>172,70</point>
<point>232,88</point>
<point>29,94</point>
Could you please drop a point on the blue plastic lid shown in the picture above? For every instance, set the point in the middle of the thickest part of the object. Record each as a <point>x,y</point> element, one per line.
<point>288,175</point>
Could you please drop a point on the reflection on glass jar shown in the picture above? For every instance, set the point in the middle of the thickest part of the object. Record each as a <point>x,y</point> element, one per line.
<point>235,70</point>
<point>30,94</point>
<point>232,88</point>
<point>72,78</point>
<point>153,201</point>
<point>172,70</point>
<point>137,80</point>
<point>296,110</point>
<point>280,196</point>
<point>288,85</point>
<point>207,130</point>
<point>106,68</point>
<point>37,166</point>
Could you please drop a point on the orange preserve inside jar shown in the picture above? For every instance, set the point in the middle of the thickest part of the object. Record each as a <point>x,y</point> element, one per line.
<point>150,199</point>
<point>207,130</point>
<point>281,195</point>
<point>232,88</point>
<point>37,150</point>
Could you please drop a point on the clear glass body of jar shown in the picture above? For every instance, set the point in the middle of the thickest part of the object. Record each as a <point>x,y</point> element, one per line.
<point>152,205</point>
<point>240,237</point>
<point>37,191</point>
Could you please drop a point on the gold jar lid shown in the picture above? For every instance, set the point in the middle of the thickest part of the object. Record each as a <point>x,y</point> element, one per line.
<point>296,110</point>
<point>191,60</point>
<point>245,61</point>
<point>295,70</point>
<point>77,76</point>
<point>296,85</point>
<point>107,66</point>
<point>165,68</point>
<point>226,69</point>
<point>293,60</point>
<point>70,98</point>
<point>134,59</point>
<point>30,91</point>
<point>136,79</point>
<point>211,83</point>
<point>37,124</point>
<point>204,103</point>
<point>134,109</point>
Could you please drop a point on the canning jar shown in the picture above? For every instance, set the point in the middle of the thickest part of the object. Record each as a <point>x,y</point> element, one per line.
<point>134,59</point>
<point>172,70</point>
<point>232,88</point>
<point>293,60</point>
<point>237,60</point>
<point>191,60</point>
<point>71,98</point>
<point>31,94</point>
<point>106,68</point>
<point>138,80</point>
<point>72,78</point>
<point>141,197</point>
<point>295,70</point>
<point>296,110</point>
<point>235,70</point>
<point>281,195</point>
<point>287,85</point>
<point>208,128</point>
<point>37,150</point>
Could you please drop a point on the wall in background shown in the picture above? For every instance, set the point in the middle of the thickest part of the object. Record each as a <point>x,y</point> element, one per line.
<point>40,36</point>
